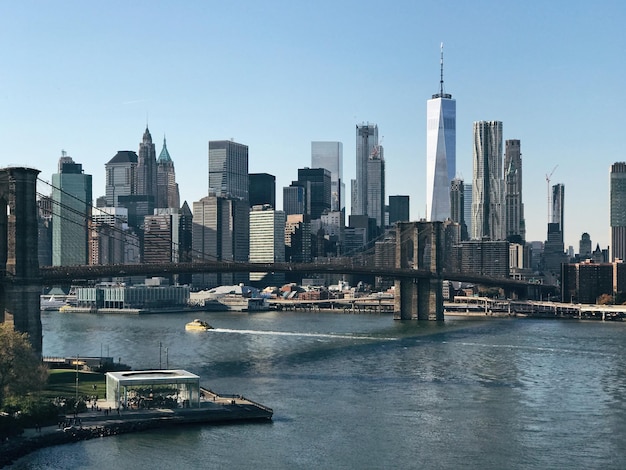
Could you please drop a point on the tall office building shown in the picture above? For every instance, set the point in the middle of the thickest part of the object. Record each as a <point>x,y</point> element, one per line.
<point>366,146</point>
<point>228,169</point>
<point>514,208</point>
<point>487,183</point>
<point>267,242</point>
<point>376,186</point>
<point>440,152</point>
<point>147,169</point>
<point>457,206</point>
<point>295,200</point>
<point>71,212</point>
<point>329,155</point>
<point>317,184</point>
<point>398,209</point>
<point>221,232</point>
<point>167,188</point>
<point>618,210</point>
<point>121,177</point>
<point>467,207</point>
<point>584,246</point>
<point>262,189</point>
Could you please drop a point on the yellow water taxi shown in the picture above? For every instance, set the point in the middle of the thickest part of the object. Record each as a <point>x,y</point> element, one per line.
<point>198,325</point>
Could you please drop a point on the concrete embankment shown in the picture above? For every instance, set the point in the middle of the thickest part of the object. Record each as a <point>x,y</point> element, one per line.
<point>92,424</point>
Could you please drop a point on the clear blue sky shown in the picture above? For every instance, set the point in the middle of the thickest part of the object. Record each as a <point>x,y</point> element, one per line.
<point>84,76</point>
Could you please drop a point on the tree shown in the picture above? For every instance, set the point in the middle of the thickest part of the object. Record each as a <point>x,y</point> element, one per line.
<point>21,369</point>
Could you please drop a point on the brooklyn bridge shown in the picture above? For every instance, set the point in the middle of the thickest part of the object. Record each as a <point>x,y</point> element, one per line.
<point>417,269</point>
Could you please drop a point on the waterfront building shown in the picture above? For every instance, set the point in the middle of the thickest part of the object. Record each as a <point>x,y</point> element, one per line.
<point>167,189</point>
<point>514,208</point>
<point>618,210</point>
<point>398,209</point>
<point>440,152</point>
<point>121,177</point>
<point>329,155</point>
<point>221,232</point>
<point>376,186</point>
<point>366,146</point>
<point>587,281</point>
<point>228,169</point>
<point>267,243</point>
<point>147,170</point>
<point>262,189</point>
<point>487,184</point>
<point>71,212</point>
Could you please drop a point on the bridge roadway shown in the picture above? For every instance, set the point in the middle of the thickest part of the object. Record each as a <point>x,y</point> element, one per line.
<point>67,274</point>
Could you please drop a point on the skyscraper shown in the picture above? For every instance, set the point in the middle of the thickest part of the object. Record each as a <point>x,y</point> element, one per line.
<point>457,205</point>
<point>514,208</point>
<point>398,209</point>
<point>71,211</point>
<point>618,210</point>
<point>147,169</point>
<point>267,242</point>
<point>121,177</point>
<point>167,188</point>
<point>329,155</point>
<point>317,184</point>
<point>262,189</point>
<point>558,206</point>
<point>366,145</point>
<point>376,186</point>
<point>228,169</point>
<point>440,152</point>
<point>487,183</point>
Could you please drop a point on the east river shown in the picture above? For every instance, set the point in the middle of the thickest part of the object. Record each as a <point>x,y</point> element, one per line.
<point>365,391</point>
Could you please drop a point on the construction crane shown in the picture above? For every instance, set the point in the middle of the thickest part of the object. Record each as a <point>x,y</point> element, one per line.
<point>548,176</point>
<point>375,154</point>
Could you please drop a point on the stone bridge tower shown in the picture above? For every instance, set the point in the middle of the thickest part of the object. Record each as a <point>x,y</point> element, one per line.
<point>419,245</point>
<point>20,288</point>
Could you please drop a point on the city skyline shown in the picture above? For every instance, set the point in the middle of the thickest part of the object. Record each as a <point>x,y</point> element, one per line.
<point>558,89</point>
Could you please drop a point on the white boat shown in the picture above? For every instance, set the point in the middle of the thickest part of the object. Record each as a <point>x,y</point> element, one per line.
<point>198,325</point>
<point>51,303</point>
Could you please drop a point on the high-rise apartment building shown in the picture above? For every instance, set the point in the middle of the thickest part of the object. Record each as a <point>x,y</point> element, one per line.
<point>267,242</point>
<point>376,186</point>
<point>440,152</point>
<point>167,188</point>
<point>514,208</point>
<point>262,189</point>
<point>329,155</point>
<point>228,169</point>
<point>71,212</point>
<point>487,184</point>
<point>618,210</point>
<point>366,146</point>
<point>558,206</point>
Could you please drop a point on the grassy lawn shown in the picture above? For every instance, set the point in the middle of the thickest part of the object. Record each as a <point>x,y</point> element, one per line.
<point>62,382</point>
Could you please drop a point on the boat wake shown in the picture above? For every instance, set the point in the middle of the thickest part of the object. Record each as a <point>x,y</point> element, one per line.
<point>290,333</point>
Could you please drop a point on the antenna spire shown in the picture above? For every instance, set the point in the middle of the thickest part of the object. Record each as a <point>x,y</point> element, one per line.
<point>441,79</point>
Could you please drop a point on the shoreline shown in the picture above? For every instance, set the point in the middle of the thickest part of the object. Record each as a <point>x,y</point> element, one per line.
<point>220,409</point>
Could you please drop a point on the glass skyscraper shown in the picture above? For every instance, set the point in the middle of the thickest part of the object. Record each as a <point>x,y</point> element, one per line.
<point>487,183</point>
<point>366,145</point>
<point>71,210</point>
<point>329,155</point>
<point>440,152</point>
<point>228,169</point>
